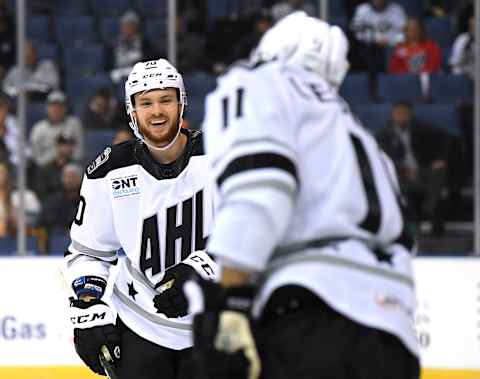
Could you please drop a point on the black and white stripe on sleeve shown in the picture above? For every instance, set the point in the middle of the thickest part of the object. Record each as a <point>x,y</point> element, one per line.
<point>253,164</point>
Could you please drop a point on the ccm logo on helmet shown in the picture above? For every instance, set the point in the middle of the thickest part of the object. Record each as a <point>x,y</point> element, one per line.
<point>152,75</point>
<point>88,318</point>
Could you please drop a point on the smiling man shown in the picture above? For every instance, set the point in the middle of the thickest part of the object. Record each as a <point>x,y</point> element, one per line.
<point>151,197</point>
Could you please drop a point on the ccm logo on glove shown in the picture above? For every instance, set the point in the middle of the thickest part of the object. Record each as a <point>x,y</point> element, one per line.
<point>88,318</point>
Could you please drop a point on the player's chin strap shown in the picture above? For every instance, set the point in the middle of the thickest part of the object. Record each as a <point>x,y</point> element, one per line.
<point>134,126</point>
<point>163,148</point>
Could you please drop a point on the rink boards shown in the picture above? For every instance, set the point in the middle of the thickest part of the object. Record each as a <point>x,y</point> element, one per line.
<point>84,373</point>
<point>36,338</point>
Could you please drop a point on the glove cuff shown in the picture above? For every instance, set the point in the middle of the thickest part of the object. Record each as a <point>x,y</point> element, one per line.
<point>93,286</point>
<point>239,299</point>
<point>217,298</point>
<point>203,265</point>
<point>84,315</point>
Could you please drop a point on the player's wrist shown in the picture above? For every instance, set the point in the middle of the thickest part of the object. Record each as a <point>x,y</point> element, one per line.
<point>216,298</point>
<point>90,287</point>
<point>87,298</point>
<point>239,298</point>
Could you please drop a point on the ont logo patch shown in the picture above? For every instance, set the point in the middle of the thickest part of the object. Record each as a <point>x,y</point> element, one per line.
<point>125,186</point>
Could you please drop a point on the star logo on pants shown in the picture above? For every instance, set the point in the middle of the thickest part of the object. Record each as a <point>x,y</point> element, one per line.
<point>131,291</point>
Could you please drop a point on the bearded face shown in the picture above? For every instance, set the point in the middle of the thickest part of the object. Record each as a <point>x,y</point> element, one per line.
<point>157,112</point>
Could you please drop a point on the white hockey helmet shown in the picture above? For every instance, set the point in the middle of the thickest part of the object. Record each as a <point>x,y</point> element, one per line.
<point>307,42</point>
<point>146,76</point>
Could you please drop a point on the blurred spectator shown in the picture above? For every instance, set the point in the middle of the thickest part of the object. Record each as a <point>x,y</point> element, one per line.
<point>380,22</point>
<point>41,6</point>
<point>59,208</point>
<point>376,25</point>
<point>437,8</point>
<point>122,135</point>
<point>250,7</point>
<point>418,54</point>
<point>8,133</point>
<point>466,122</point>
<point>462,58</point>
<point>7,223</point>
<point>350,6</point>
<point>190,47</point>
<point>33,208</point>
<point>7,43</point>
<point>4,6</point>
<point>40,76</point>
<point>44,133</point>
<point>48,178</point>
<point>220,53</point>
<point>9,203</point>
<point>262,21</point>
<point>246,31</point>
<point>465,48</point>
<point>131,47</point>
<point>102,111</point>
<point>463,11</point>
<point>194,14</point>
<point>284,8</point>
<point>420,154</point>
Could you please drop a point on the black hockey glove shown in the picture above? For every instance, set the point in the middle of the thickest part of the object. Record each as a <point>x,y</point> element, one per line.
<point>224,346</point>
<point>93,324</point>
<point>172,301</point>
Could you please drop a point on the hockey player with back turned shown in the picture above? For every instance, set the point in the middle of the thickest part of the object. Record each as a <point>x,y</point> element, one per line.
<point>321,271</point>
<point>152,198</point>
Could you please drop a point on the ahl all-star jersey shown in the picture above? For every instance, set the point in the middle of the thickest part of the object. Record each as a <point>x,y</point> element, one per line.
<point>316,200</point>
<point>158,214</point>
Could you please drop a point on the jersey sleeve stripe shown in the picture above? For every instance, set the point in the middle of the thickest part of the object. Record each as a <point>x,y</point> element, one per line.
<point>137,275</point>
<point>260,143</point>
<point>134,307</point>
<point>339,261</point>
<point>261,182</point>
<point>257,161</point>
<point>92,252</point>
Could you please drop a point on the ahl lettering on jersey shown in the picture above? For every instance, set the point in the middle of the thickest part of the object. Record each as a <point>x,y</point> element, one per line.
<point>125,186</point>
<point>189,233</point>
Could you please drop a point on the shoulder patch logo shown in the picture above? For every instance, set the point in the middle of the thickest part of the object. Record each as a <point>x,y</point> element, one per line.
<point>101,159</point>
<point>125,186</point>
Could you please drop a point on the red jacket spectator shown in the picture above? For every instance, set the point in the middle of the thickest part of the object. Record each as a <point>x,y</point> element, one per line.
<point>417,54</point>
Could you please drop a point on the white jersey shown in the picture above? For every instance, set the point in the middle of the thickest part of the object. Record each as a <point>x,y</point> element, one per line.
<point>307,197</point>
<point>462,58</point>
<point>158,214</point>
<point>371,25</point>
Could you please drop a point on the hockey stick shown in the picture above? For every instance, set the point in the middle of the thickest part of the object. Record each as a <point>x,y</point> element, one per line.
<point>106,361</point>
<point>104,356</point>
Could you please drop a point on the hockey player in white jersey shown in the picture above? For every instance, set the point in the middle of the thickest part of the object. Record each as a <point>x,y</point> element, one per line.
<point>310,221</point>
<point>152,198</point>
